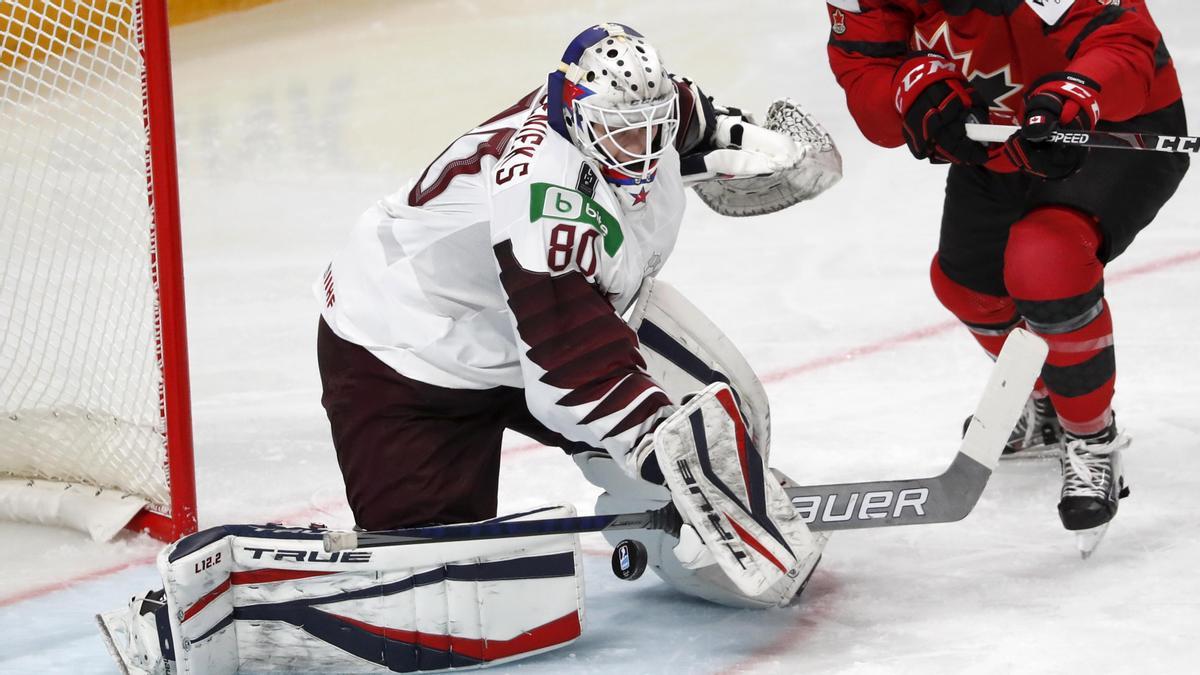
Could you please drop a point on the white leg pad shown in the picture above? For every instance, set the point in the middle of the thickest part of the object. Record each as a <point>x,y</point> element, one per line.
<point>685,352</point>
<point>269,599</point>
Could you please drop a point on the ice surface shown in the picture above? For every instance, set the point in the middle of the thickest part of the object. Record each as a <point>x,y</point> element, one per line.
<point>294,117</point>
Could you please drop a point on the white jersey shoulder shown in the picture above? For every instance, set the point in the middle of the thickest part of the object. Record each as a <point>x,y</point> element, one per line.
<point>417,283</point>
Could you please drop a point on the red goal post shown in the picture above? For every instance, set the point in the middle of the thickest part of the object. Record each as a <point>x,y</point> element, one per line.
<point>94,389</point>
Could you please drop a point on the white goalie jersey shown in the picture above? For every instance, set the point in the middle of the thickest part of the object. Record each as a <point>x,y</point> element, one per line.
<point>507,263</point>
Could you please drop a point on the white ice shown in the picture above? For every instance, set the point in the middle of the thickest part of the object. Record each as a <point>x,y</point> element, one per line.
<point>294,117</point>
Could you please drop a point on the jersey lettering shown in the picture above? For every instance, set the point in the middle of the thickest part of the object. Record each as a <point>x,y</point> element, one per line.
<point>467,162</point>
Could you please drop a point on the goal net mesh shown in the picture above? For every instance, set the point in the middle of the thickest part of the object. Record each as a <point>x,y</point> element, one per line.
<point>80,375</point>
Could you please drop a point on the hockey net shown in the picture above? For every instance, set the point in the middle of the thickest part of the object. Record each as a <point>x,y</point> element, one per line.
<point>95,430</point>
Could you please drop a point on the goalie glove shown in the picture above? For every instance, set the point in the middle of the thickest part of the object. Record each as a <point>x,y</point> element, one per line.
<point>738,148</point>
<point>729,500</point>
<point>805,172</point>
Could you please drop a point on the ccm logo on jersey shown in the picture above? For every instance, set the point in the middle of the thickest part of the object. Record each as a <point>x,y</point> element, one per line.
<point>870,505</point>
<point>308,556</point>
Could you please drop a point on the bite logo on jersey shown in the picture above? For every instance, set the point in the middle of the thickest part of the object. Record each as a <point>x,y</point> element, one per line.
<point>561,204</point>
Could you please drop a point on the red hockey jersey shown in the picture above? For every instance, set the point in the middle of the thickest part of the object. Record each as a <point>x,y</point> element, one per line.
<point>1001,46</point>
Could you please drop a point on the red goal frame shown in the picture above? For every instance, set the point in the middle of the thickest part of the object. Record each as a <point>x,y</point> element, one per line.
<point>167,267</point>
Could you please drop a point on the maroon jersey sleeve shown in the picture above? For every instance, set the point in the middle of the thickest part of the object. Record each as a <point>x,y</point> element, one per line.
<point>1115,45</point>
<point>584,375</point>
<point>867,41</point>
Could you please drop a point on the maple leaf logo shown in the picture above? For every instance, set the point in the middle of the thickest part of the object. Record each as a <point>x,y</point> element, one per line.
<point>996,87</point>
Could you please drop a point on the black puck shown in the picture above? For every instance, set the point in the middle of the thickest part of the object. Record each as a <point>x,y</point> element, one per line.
<point>629,559</point>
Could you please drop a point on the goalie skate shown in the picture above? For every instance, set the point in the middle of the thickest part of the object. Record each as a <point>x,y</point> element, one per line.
<point>1093,484</point>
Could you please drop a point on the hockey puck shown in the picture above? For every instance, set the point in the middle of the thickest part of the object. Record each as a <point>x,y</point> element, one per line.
<point>629,560</point>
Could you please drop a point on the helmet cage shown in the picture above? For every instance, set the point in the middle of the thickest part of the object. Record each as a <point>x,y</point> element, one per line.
<point>628,140</point>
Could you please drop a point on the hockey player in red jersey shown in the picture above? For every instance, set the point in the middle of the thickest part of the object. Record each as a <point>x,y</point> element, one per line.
<point>1027,226</point>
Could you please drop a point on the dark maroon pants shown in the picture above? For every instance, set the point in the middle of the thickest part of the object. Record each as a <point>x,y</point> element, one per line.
<point>413,453</point>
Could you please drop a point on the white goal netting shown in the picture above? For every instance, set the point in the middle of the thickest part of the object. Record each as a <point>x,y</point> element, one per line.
<point>80,376</point>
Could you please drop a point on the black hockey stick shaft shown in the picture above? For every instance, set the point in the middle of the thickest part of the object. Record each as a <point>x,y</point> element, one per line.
<point>665,518</point>
<point>1120,140</point>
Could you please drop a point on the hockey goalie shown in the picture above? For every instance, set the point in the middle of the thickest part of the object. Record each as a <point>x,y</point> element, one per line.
<point>512,286</point>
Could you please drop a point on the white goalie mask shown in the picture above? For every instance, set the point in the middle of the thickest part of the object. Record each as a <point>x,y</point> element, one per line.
<point>619,105</point>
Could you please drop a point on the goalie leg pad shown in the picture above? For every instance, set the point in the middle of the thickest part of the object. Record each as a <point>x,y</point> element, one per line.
<point>270,598</point>
<point>685,352</point>
<point>723,488</point>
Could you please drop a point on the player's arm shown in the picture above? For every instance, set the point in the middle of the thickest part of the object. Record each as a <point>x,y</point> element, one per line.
<point>917,98</point>
<point>1115,48</point>
<point>1112,52</point>
<point>868,41</point>
<point>583,375</point>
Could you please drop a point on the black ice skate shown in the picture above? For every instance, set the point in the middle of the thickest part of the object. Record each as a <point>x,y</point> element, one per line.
<point>1092,484</point>
<point>1038,434</point>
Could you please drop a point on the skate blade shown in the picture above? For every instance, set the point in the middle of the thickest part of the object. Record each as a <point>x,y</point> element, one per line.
<point>1088,540</point>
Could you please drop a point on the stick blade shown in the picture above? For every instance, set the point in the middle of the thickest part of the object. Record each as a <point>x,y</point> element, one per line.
<point>1012,379</point>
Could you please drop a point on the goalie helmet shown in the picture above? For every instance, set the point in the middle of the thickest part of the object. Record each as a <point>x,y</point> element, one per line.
<point>613,99</point>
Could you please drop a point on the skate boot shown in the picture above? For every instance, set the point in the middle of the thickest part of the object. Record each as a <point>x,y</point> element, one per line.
<point>1092,484</point>
<point>1038,433</point>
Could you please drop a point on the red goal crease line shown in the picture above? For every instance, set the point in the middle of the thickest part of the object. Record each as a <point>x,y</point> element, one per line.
<point>819,363</point>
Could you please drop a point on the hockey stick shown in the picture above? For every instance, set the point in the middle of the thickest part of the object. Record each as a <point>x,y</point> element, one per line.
<point>941,499</point>
<point>947,497</point>
<point>1122,140</point>
<point>665,518</point>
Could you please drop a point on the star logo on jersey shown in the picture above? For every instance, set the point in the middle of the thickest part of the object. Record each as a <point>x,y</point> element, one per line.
<point>839,22</point>
<point>640,197</point>
<point>996,87</point>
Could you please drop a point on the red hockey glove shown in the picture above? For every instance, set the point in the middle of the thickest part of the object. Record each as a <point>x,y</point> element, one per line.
<point>935,102</point>
<point>1058,101</point>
